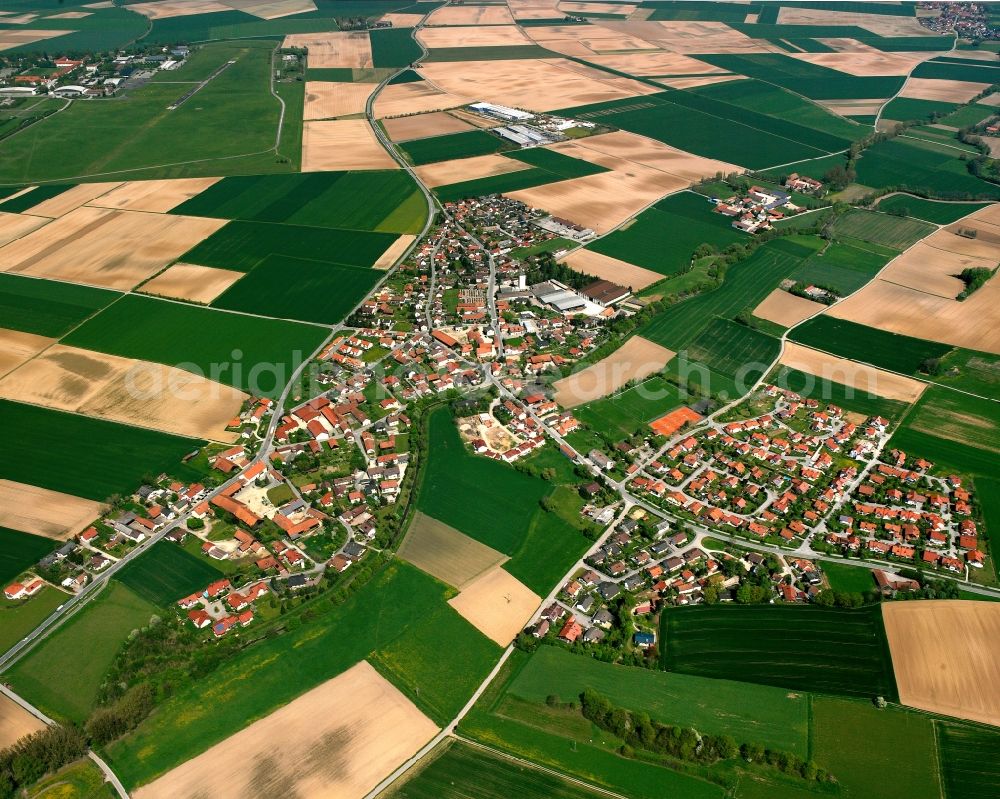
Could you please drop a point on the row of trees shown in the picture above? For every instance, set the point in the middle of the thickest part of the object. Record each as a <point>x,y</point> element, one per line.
<point>35,755</point>
<point>686,743</point>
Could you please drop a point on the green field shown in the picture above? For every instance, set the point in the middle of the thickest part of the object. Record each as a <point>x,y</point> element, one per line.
<point>923,168</point>
<point>896,232</point>
<point>624,413</point>
<point>353,200</point>
<point>946,455</point>
<point>664,237</point>
<point>242,245</point>
<point>799,647</point>
<point>735,351</point>
<point>85,457</point>
<point>20,550</point>
<point>80,780</point>
<point>891,351</point>
<point>295,288</point>
<point>63,673</point>
<point>557,163</point>
<point>956,417</point>
<point>202,340</point>
<point>285,666</point>
<point>848,578</point>
<point>393,47</point>
<point>847,397</point>
<point>940,213</point>
<point>19,618</point>
<point>970,760</point>
<point>841,267</point>
<point>968,115</point>
<point>747,283</point>
<point>758,713</point>
<point>165,573</point>
<point>457,770</point>
<point>453,145</point>
<point>905,109</point>
<point>33,197</point>
<point>103,29</point>
<point>194,139</point>
<point>958,69</point>
<point>502,52</point>
<point>891,741</point>
<point>47,307</point>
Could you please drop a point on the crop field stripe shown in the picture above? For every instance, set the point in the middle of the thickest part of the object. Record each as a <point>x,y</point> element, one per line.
<point>166,573</point>
<point>394,47</point>
<point>18,551</point>
<point>921,167</point>
<point>85,457</point>
<point>496,184</point>
<point>937,213</point>
<point>557,163</point>
<point>970,760</point>
<point>47,307</point>
<point>453,145</point>
<point>32,198</point>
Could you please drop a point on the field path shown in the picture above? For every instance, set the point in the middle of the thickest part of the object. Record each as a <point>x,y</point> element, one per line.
<point>878,116</point>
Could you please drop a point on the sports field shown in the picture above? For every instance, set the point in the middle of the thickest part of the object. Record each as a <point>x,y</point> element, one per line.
<point>194,139</point>
<point>664,237</point>
<point>802,648</point>
<point>47,307</point>
<point>456,770</point>
<point>231,348</point>
<point>166,573</point>
<point>367,200</point>
<point>760,713</point>
<point>19,551</point>
<point>890,231</point>
<point>970,760</point>
<point>919,208</point>
<point>401,604</point>
<point>62,674</point>
<point>85,457</point>
<point>891,351</point>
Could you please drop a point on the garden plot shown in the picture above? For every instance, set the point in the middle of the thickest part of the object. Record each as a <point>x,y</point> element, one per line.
<point>786,309</point>
<point>200,284</point>
<point>50,514</point>
<point>635,359</point>
<point>497,604</point>
<point>337,740</point>
<point>447,554</point>
<point>341,145</point>
<point>325,100</point>
<point>865,379</point>
<point>946,656</point>
<point>444,173</point>
<point>125,390</point>
<point>17,347</point>
<point>337,49</point>
<point>157,196</point>
<point>70,200</point>
<point>602,266</point>
<point>423,126</point>
<point>101,247</point>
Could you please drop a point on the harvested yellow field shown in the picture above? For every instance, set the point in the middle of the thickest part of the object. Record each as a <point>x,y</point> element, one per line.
<point>13,226</point>
<point>17,347</point>
<point>444,173</point>
<point>598,8</point>
<point>325,100</point>
<point>446,553</point>
<point>471,15</point>
<point>985,244</point>
<point>605,267</point>
<point>165,9</point>
<point>946,656</point>
<point>951,91</point>
<point>691,37</point>
<point>415,98</point>
<point>394,252</point>
<point>535,9</point>
<point>402,20</point>
<point>71,199</point>
<point>101,247</point>
<point>655,63</point>
<point>497,604</point>
<point>786,309</point>
<point>932,269</point>
<point>617,150</point>
<point>70,15</point>
<point>635,359</point>
<point>341,145</point>
<point>43,512</point>
<point>15,722</point>
<point>974,323</point>
<point>156,196</point>
<point>271,9</point>
<point>602,201</point>
<point>867,63</point>
<point>422,126</point>
<point>336,49</point>
<point>125,390</point>
<point>534,84</point>
<point>881,24</point>
<point>338,740</point>
<point>866,379</point>
<point>191,282</point>
<point>848,108</point>
<point>585,40</point>
<point>694,83</point>
<point>11,38</point>
<point>490,36</point>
